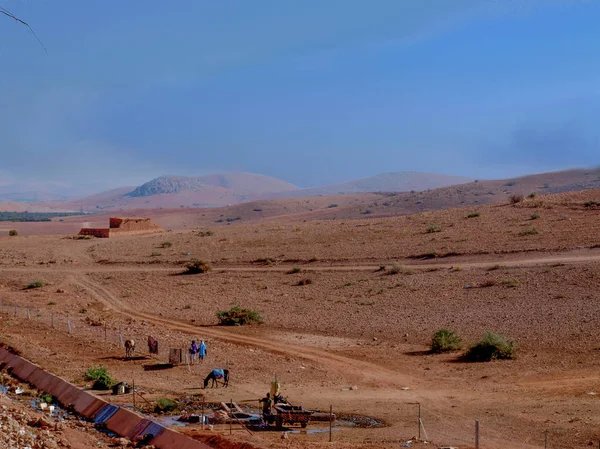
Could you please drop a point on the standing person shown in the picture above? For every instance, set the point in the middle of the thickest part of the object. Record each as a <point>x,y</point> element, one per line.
<point>202,352</point>
<point>194,351</point>
<point>266,404</point>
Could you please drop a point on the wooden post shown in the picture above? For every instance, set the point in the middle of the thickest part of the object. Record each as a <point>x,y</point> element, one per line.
<point>202,415</point>
<point>330,420</point>
<point>477,434</point>
<point>68,322</point>
<point>231,418</point>
<point>28,314</point>
<point>419,421</point>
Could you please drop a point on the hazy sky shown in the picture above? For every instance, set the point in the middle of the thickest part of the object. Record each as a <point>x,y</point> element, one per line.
<point>310,91</point>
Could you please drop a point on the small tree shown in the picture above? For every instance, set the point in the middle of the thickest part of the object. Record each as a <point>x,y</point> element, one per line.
<point>13,233</point>
<point>445,340</point>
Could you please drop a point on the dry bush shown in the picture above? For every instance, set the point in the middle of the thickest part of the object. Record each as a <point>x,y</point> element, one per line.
<point>516,198</point>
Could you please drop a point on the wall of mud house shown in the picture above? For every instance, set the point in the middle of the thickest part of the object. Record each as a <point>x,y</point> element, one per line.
<point>132,224</point>
<point>96,232</point>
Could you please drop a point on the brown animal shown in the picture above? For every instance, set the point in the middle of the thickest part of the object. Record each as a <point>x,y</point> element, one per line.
<point>129,348</point>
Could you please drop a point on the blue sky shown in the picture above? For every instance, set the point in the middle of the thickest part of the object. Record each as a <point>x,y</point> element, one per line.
<point>312,92</point>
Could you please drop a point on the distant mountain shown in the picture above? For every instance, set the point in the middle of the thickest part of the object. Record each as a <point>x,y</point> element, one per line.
<point>388,182</point>
<point>241,183</point>
<point>32,197</point>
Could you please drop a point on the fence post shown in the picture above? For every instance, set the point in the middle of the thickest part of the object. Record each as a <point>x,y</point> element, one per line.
<point>230,417</point>
<point>419,421</point>
<point>330,420</point>
<point>28,314</point>
<point>477,434</point>
<point>68,322</point>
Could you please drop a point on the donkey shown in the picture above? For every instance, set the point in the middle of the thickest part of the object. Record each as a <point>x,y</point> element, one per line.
<point>215,375</point>
<point>129,348</point>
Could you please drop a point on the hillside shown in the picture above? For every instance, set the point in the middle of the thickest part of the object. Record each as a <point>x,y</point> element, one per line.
<point>388,182</point>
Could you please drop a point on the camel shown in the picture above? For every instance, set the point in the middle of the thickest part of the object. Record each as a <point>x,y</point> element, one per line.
<point>129,348</point>
<point>215,375</point>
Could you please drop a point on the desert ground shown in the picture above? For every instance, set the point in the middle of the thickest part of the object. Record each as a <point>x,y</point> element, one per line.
<point>356,336</point>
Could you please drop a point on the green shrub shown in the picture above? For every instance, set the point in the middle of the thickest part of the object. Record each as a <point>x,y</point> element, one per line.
<point>35,284</point>
<point>166,244</point>
<point>47,398</point>
<point>514,199</point>
<point>529,231</point>
<point>295,270</point>
<point>473,215</point>
<point>237,316</point>
<point>381,267</point>
<point>396,269</point>
<point>535,216</point>
<point>331,206</point>
<point>100,376</point>
<point>492,346</point>
<point>83,310</point>
<point>431,229</point>
<point>532,195</point>
<point>155,254</point>
<point>205,233</point>
<point>52,303</point>
<point>13,233</point>
<point>197,266</point>
<point>592,204</point>
<point>82,237</point>
<point>165,405</point>
<point>445,340</point>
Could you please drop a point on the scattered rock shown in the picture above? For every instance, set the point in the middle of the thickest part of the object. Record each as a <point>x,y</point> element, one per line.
<point>60,290</point>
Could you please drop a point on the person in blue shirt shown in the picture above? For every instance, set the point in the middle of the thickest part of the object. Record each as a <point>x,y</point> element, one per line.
<point>202,352</point>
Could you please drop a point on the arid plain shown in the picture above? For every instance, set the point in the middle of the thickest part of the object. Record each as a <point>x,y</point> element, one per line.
<point>529,271</point>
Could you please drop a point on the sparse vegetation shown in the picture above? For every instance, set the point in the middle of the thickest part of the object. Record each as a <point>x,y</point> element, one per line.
<point>304,282</point>
<point>82,237</point>
<point>473,215</point>
<point>496,267</point>
<point>399,269</point>
<point>47,398</point>
<point>510,283</point>
<point>516,198</point>
<point>366,303</point>
<point>445,340</point>
<point>266,261</point>
<point>492,346</point>
<point>237,316</point>
<point>331,206</point>
<point>83,310</point>
<point>197,267</point>
<point>535,216</point>
<point>100,376</point>
<point>166,244</point>
<point>590,204</point>
<point>52,303</point>
<point>532,195</point>
<point>433,228</point>
<point>35,284</point>
<point>381,267</point>
<point>205,233</point>
<point>165,405</point>
<point>155,254</point>
<point>529,231</point>
<point>295,270</point>
<point>13,233</point>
